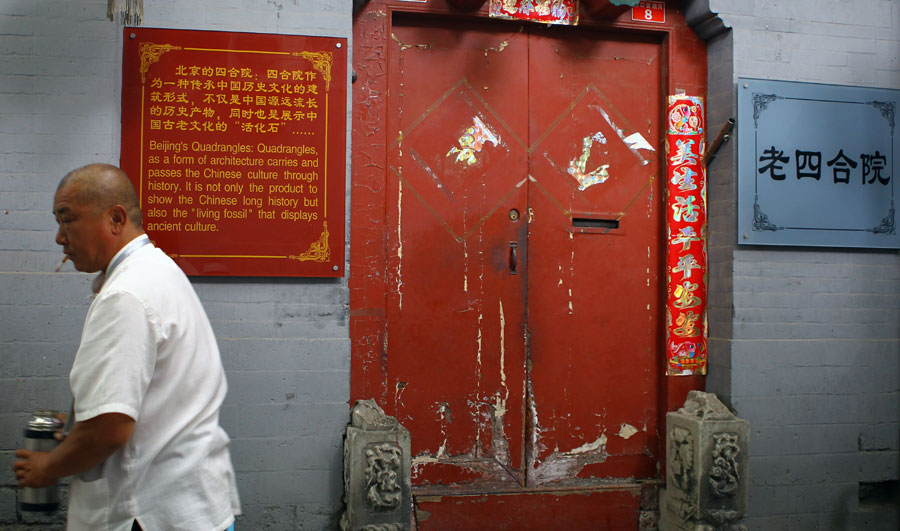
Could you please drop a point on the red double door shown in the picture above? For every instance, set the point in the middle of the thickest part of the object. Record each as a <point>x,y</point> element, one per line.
<point>523,260</point>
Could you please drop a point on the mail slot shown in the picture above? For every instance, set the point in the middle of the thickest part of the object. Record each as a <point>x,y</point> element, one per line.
<point>588,223</point>
<point>595,223</point>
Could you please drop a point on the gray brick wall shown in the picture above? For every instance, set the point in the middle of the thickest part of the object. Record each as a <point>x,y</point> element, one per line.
<point>805,343</point>
<point>284,342</point>
<point>721,199</point>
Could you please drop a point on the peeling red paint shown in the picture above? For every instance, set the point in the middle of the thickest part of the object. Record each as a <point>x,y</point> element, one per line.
<point>445,474</point>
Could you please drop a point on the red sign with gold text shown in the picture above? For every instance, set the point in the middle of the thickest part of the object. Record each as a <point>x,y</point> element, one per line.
<point>647,11</point>
<point>236,144</point>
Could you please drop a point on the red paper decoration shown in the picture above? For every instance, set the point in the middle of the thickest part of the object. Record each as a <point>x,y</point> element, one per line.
<point>686,260</point>
<point>545,11</point>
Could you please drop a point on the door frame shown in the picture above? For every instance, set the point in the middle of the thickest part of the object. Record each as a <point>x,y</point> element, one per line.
<point>684,69</point>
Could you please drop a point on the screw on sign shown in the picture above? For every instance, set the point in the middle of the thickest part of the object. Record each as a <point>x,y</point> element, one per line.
<point>649,12</point>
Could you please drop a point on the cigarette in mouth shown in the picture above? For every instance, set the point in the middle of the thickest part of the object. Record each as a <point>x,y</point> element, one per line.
<point>59,267</point>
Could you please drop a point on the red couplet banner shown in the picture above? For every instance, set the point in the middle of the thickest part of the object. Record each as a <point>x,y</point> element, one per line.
<point>686,215</point>
<point>547,12</point>
<point>236,143</point>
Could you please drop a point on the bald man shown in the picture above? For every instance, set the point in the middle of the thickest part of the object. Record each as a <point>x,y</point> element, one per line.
<point>146,450</point>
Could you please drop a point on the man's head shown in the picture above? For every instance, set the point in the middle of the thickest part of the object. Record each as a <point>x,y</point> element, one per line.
<point>98,213</point>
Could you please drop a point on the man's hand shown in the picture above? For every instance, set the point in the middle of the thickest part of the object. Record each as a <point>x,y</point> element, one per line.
<point>31,470</point>
<point>90,442</point>
<point>62,417</point>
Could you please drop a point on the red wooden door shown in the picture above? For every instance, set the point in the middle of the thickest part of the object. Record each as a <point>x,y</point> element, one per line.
<point>594,257</point>
<point>523,254</point>
<point>456,308</point>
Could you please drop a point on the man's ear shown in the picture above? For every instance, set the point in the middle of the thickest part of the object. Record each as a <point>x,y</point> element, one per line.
<point>118,218</point>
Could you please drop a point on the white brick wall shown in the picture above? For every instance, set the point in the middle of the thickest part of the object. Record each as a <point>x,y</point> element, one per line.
<point>805,343</point>
<point>285,343</point>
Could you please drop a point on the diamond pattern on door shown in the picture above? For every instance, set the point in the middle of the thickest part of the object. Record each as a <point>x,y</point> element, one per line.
<point>455,144</point>
<point>594,120</point>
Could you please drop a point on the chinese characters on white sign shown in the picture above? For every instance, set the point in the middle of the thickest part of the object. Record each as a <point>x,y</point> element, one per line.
<point>817,165</point>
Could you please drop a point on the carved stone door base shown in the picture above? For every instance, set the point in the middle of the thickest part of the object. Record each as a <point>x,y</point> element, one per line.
<point>706,467</point>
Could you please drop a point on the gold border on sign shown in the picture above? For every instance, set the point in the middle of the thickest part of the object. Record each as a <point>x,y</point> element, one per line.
<point>150,54</point>
<point>318,250</point>
<point>322,62</point>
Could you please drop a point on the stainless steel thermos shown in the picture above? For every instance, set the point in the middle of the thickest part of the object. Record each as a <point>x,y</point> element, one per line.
<point>39,437</point>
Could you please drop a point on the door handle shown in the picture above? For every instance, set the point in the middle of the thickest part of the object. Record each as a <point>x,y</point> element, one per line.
<point>513,258</point>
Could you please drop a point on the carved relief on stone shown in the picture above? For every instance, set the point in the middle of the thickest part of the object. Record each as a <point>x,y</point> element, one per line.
<point>383,475</point>
<point>684,509</point>
<point>720,517</point>
<point>705,406</point>
<point>725,520</point>
<point>724,475</point>
<point>380,527</point>
<point>682,461</point>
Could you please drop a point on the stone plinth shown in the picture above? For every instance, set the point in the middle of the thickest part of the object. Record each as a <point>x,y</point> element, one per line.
<point>376,471</point>
<point>706,467</point>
